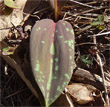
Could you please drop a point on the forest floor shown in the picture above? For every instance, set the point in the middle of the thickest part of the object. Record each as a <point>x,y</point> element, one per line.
<point>90,20</point>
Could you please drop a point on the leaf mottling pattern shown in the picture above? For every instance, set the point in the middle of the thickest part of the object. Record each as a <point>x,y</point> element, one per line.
<point>52,49</point>
<point>72,31</point>
<point>50,75</point>
<point>56,68</point>
<point>64,23</point>
<point>59,89</point>
<point>56,59</point>
<point>40,44</point>
<point>45,29</point>
<point>52,57</point>
<point>43,89</point>
<point>67,29</point>
<point>60,36</point>
<point>37,67</point>
<point>67,76</point>
<point>43,42</point>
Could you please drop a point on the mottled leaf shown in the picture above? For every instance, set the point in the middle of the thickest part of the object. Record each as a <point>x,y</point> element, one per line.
<point>52,56</point>
<point>10,3</point>
<point>8,50</point>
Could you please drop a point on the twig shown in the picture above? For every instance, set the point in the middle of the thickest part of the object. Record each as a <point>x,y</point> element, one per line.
<point>83,4</point>
<point>87,11</point>
<point>41,10</point>
<point>86,43</point>
<point>13,94</point>
<point>27,16</point>
<point>32,15</point>
<point>64,15</point>
<point>102,71</point>
<point>68,98</point>
<point>7,82</point>
<point>80,17</point>
<point>84,29</point>
<point>100,34</point>
<point>103,78</point>
<point>6,68</point>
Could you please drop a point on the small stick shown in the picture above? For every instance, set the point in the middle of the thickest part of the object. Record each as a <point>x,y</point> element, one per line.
<point>83,4</point>
<point>87,11</point>
<point>13,94</point>
<point>64,15</point>
<point>7,82</point>
<point>32,15</point>
<point>68,98</point>
<point>27,16</point>
<point>103,78</point>
<point>100,34</point>
<point>84,29</point>
<point>102,71</point>
<point>86,43</point>
<point>41,10</point>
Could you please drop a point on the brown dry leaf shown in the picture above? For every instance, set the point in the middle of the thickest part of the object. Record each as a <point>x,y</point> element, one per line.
<point>80,93</point>
<point>86,77</point>
<point>16,16</point>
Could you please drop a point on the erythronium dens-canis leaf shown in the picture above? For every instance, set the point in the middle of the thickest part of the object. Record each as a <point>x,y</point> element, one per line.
<point>52,56</point>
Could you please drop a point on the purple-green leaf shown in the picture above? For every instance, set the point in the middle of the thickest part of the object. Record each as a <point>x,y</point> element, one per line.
<point>8,50</point>
<point>52,57</point>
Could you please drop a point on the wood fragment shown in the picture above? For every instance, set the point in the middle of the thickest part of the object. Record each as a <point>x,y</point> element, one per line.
<point>84,76</point>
